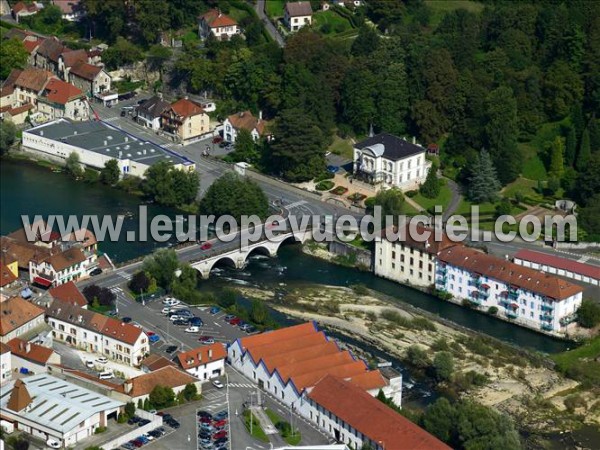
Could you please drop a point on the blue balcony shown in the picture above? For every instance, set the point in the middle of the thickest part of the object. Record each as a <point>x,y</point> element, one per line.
<point>511,314</point>
<point>504,303</point>
<point>547,308</point>
<point>441,280</point>
<point>513,295</point>
<point>547,327</point>
<point>546,317</point>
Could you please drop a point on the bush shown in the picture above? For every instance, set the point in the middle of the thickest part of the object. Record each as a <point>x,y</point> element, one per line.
<point>100,430</point>
<point>588,314</point>
<point>493,310</point>
<point>360,289</point>
<point>443,366</point>
<point>417,357</point>
<point>412,193</point>
<point>340,190</point>
<point>325,185</point>
<point>574,401</point>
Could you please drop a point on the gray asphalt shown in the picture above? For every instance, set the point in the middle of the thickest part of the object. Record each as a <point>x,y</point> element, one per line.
<point>260,10</point>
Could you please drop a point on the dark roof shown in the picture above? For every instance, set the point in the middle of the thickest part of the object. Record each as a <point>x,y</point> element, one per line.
<point>51,48</point>
<point>394,148</point>
<point>296,9</point>
<point>154,106</point>
<point>559,263</point>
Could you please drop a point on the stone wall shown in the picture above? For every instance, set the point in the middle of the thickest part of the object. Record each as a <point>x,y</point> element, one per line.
<point>364,258</point>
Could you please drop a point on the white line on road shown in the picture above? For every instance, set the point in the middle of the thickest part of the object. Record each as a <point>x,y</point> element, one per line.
<point>217,324</point>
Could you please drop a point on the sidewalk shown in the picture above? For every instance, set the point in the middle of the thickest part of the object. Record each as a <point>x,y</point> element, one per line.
<point>263,419</point>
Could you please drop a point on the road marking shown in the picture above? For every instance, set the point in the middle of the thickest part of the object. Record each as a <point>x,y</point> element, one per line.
<point>125,275</point>
<point>217,324</point>
<point>295,204</point>
<point>111,119</point>
<point>583,259</point>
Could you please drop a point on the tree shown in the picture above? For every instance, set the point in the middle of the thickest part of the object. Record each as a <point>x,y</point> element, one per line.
<point>571,147</point>
<point>227,297</point>
<point>443,366</point>
<point>503,208</point>
<point>588,314</point>
<point>184,286</point>
<point>51,15</point>
<point>129,409</point>
<point>103,295</point>
<point>439,419</point>
<point>109,19</point>
<point>170,186</point>
<point>481,427</point>
<point>358,103</point>
<point>585,153</point>
<point>588,181</point>
<point>417,357</point>
<point>391,202</point>
<point>13,56</point>
<point>147,404</point>
<point>8,133</point>
<point>162,397</point>
<point>140,282</point>
<point>245,148</point>
<point>258,312</point>
<point>557,157</point>
<point>483,183</point>
<point>563,88</point>
<point>110,173</point>
<point>152,17</point>
<point>122,52</point>
<point>161,266</point>
<point>190,392</point>
<point>589,216</point>
<point>157,56</point>
<point>298,152</point>
<point>366,42</point>
<point>236,196</point>
<point>73,165</point>
<point>431,187</point>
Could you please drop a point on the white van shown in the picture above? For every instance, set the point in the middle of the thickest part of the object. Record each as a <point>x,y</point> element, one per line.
<point>106,375</point>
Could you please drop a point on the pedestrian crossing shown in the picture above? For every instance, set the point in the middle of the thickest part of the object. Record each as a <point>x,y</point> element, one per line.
<point>242,385</point>
<point>125,275</point>
<point>116,290</point>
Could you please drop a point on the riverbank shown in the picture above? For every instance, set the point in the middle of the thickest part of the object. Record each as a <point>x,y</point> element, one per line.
<point>520,383</point>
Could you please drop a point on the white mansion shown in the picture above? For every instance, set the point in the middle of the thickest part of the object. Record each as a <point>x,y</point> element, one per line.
<point>390,161</point>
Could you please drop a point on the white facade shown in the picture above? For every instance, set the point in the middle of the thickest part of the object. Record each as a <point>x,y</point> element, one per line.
<point>211,369</point>
<point>5,366</point>
<point>46,270</point>
<point>524,307</point>
<point>595,281</point>
<point>96,342</point>
<point>230,132</point>
<point>77,109</point>
<point>148,121</point>
<point>296,22</point>
<point>404,264</point>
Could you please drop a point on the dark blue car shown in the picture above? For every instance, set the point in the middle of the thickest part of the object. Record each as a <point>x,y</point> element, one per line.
<point>215,310</point>
<point>196,321</point>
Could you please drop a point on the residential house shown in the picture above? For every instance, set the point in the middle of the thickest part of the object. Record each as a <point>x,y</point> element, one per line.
<point>409,258</point>
<point>68,58</point>
<point>22,9</point>
<point>139,388</point>
<point>297,15</point>
<point>92,80</point>
<point>149,112</point>
<point>578,271</point>
<point>17,115</point>
<point>63,100</point>
<point>24,87</point>
<point>97,333</point>
<point>19,317</point>
<point>23,252</point>
<point>215,23</point>
<point>243,120</point>
<point>64,265</point>
<point>29,39</point>
<point>522,295</point>
<point>185,120</point>
<point>289,361</point>
<point>47,55</point>
<point>72,10</point>
<point>33,357</point>
<point>154,362</point>
<point>347,413</point>
<point>205,362</point>
<point>389,161</point>
<point>68,293</point>
<point>8,279</point>
<point>76,412</point>
<point>5,363</point>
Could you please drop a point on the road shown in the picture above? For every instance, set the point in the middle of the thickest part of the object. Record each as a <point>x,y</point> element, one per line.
<point>260,10</point>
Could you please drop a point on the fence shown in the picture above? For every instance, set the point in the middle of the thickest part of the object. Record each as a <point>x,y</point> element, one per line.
<point>155,422</point>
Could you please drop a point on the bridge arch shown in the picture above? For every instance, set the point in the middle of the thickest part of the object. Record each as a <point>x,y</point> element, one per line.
<point>261,250</point>
<point>223,261</point>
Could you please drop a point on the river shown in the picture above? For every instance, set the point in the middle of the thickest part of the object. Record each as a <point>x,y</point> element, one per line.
<point>30,189</point>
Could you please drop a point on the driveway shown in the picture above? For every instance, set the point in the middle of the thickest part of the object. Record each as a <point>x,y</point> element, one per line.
<point>260,10</point>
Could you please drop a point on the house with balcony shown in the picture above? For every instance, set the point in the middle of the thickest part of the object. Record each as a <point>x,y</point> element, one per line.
<point>243,120</point>
<point>389,161</point>
<point>217,24</point>
<point>525,296</point>
<point>61,267</point>
<point>185,120</point>
<point>97,333</point>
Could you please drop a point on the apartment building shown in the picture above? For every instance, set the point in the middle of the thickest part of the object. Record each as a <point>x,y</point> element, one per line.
<point>5,363</point>
<point>409,258</point>
<point>97,333</point>
<point>525,296</point>
<point>185,120</point>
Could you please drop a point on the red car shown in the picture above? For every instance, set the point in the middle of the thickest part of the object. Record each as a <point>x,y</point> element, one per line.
<point>217,139</point>
<point>235,321</point>
<point>206,246</point>
<point>219,435</point>
<point>205,420</point>
<point>219,423</point>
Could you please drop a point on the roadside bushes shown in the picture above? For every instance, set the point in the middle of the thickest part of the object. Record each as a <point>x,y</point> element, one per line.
<point>325,185</point>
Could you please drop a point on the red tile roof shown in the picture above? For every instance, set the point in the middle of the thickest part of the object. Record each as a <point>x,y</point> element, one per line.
<point>20,109</point>
<point>8,87</point>
<point>508,272</point>
<point>247,121</point>
<point>186,108</point>
<point>297,9</point>
<point>68,293</point>
<point>6,276</point>
<point>27,350</point>
<point>16,312</point>
<point>86,71</point>
<point>430,245</point>
<point>67,6</point>
<point>33,79</point>
<point>200,356</point>
<point>51,48</point>
<point>371,417</point>
<point>215,19</point>
<point>154,362</point>
<point>168,376</point>
<point>560,263</point>
<point>30,46</point>
<point>72,57</point>
<point>58,91</point>
<point>4,348</point>
<point>279,335</point>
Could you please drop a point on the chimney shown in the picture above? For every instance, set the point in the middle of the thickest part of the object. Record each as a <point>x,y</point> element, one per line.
<point>80,318</point>
<point>128,386</point>
<point>260,115</point>
<point>186,98</point>
<point>242,114</point>
<point>210,353</point>
<point>199,356</point>
<point>21,345</point>
<point>27,347</point>
<point>414,140</point>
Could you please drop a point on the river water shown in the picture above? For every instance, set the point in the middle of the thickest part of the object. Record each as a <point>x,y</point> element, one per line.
<point>30,189</point>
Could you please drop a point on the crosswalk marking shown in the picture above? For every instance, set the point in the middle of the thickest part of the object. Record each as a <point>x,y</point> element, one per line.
<point>125,275</point>
<point>241,385</point>
<point>293,205</point>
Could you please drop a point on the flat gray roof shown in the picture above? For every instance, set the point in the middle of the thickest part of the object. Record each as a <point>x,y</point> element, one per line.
<point>108,140</point>
<point>58,404</point>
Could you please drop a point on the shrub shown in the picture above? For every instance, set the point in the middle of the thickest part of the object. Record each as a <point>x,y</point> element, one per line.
<point>100,430</point>
<point>340,190</point>
<point>360,289</point>
<point>588,314</point>
<point>574,401</point>
<point>443,366</point>
<point>412,193</point>
<point>493,310</point>
<point>417,357</point>
<point>325,185</point>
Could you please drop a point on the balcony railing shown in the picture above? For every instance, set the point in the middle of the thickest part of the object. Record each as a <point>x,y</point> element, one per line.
<point>505,303</point>
<point>513,295</point>
<point>547,317</point>
<point>511,314</point>
<point>441,280</point>
<point>547,327</point>
<point>547,308</point>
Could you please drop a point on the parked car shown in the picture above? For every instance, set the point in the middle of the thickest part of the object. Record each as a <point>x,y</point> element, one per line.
<point>217,140</point>
<point>90,364</point>
<point>204,414</point>
<point>170,301</point>
<point>170,349</point>
<point>220,441</point>
<point>223,144</point>
<point>219,423</point>
<point>106,375</point>
<point>333,169</point>
<point>137,443</point>
<point>143,422</point>
<point>196,321</point>
<point>126,319</point>
<point>204,420</point>
<point>181,322</point>
<point>250,329</point>
<point>235,321</point>
<point>214,310</point>
<point>219,435</point>
<point>218,384</point>
<point>102,360</point>
<point>206,340</point>
<point>207,427</point>
<point>206,246</point>
<point>133,420</point>
<point>173,424</point>
<point>228,317</point>
<point>175,317</point>
<point>96,271</point>
<point>166,310</point>
<point>153,337</point>
<point>221,415</point>
<point>128,446</point>
<point>192,330</point>
<point>53,443</point>
<point>184,312</point>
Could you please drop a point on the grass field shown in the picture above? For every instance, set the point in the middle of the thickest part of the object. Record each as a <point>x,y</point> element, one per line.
<point>342,147</point>
<point>274,8</point>
<point>525,186</point>
<point>580,363</point>
<point>257,431</point>
<point>442,199</point>
<point>441,7</point>
<point>286,435</point>
<point>330,22</point>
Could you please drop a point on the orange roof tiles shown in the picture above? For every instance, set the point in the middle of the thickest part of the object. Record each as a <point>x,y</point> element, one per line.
<point>60,92</point>
<point>186,108</point>
<point>508,272</point>
<point>278,335</point>
<point>69,293</point>
<point>30,351</point>
<point>215,19</point>
<point>66,259</point>
<point>33,79</point>
<point>16,312</point>
<point>30,46</point>
<point>72,57</point>
<point>19,397</point>
<point>168,376</point>
<point>286,346</point>
<point>301,367</point>
<point>369,380</point>
<point>371,417</point>
<point>6,276</point>
<point>301,354</point>
<point>247,121</point>
<point>86,71</point>
<point>344,371</point>
<point>4,348</point>
<point>200,356</point>
<point>154,362</point>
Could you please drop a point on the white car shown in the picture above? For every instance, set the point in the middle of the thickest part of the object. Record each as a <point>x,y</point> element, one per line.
<point>106,375</point>
<point>89,364</point>
<point>102,360</point>
<point>170,301</point>
<point>166,310</point>
<point>53,443</point>
<point>175,317</point>
<point>192,329</point>
<point>218,384</point>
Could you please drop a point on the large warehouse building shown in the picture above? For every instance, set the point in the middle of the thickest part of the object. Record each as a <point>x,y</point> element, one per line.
<point>96,143</point>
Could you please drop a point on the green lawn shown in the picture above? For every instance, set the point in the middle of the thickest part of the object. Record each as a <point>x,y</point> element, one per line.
<point>442,199</point>
<point>589,350</point>
<point>526,187</point>
<point>257,431</point>
<point>237,14</point>
<point>274,8</point>
<point>580,363</point>
<point>330,22</point>
<point>440,7</point>
<point>286,435</point>
<point>342,147</point>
